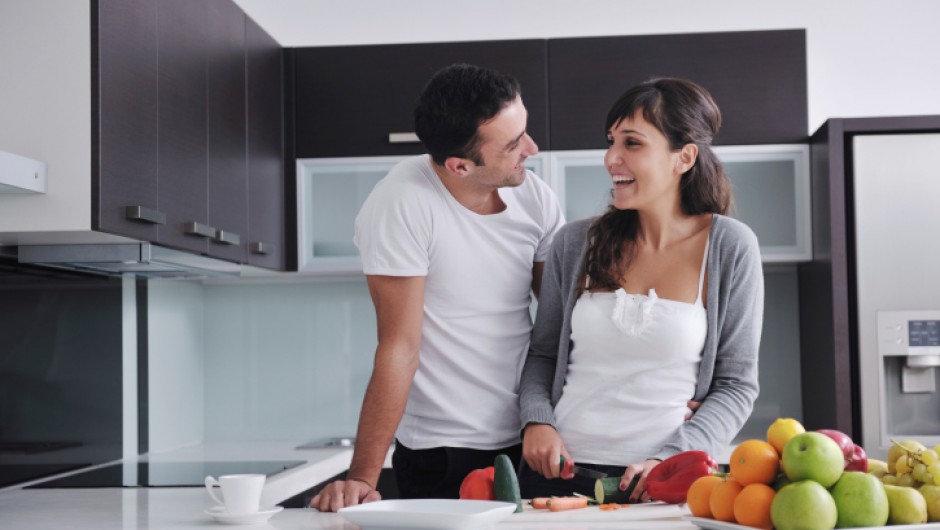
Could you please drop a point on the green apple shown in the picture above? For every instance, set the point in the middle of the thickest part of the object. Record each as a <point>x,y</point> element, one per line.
<point>931,494</point>
<point>907,505</point>
<point>860,500</point>
<point>813,456</point>
<point>804,505</point>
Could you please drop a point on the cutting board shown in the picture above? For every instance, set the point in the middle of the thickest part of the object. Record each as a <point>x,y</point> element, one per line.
<point>593,514</point>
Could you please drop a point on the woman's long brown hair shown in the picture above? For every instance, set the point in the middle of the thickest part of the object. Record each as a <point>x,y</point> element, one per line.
<point>686,114</point>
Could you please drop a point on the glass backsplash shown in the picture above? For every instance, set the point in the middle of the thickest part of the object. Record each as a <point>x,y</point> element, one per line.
<point>290,361</point>
<point>286,361</point>
<point>60,372</point>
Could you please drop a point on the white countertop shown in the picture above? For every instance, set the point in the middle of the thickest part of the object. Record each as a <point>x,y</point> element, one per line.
<point>184,508</point>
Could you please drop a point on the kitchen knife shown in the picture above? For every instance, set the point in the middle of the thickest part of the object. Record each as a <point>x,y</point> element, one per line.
<point>568,466</point>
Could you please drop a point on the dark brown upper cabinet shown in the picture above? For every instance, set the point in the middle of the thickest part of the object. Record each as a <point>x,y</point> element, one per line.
<point>266,198</point>
<point>125,113</point>
<point>348,99</point>
<point>228,161</point>
<point>758,79</point>
<point>182,124</point>
<point>189,136</point>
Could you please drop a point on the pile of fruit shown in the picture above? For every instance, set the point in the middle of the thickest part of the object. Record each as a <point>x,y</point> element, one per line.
<point>819,480</point>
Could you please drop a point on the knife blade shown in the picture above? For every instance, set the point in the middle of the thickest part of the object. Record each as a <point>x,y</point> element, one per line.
<point>568,466</point>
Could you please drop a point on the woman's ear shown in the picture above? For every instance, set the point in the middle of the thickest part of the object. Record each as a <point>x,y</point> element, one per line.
<point>687,157</point>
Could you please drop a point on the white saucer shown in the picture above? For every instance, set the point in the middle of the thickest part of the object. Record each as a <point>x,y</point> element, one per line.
<point>219,514</point>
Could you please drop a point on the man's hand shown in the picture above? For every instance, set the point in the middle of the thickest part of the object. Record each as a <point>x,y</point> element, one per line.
<point>693,406</point>
<point>344,493</point>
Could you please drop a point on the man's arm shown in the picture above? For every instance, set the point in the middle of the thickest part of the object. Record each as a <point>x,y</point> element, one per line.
<point>399,310</point>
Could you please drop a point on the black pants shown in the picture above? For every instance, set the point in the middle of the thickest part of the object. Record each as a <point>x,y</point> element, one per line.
<point>437,473</point>
<point>534,485</point>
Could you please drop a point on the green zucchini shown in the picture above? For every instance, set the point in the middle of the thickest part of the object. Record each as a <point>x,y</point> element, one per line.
<point>506,483</point>
<point>607,490</point>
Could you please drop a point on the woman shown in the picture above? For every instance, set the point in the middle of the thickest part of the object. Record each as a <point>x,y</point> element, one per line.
<point>657,302</point>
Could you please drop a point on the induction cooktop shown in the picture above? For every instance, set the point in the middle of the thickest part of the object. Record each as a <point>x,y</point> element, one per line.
<point>163,474</point>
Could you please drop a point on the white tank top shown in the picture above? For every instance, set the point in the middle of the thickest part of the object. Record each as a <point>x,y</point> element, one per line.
<point>632,369</point>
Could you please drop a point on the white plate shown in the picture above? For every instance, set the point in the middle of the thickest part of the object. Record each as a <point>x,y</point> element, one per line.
<point>437,514</point>
<point>219,514</point>
<point>711,524</point>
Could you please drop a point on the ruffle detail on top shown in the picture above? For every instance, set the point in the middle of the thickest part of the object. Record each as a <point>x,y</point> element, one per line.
<point>631,313</point>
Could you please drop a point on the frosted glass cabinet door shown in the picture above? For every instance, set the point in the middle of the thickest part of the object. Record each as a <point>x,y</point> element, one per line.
<point>330,192</point>
<point>770,182</point>
<point>771,195</point>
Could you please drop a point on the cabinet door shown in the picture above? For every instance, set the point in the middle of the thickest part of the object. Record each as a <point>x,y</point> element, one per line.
<point>757,78</point>
<point>125,113</point>
<point>770,184</point>
<point>330,193</point>
<point>181,27</point>
<point>265,149</point>
<point>771,195</point>
<point>349,99</point>
<point>227,158</point>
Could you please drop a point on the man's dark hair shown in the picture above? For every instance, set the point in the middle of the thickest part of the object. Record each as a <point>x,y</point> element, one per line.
<point>454,103</point>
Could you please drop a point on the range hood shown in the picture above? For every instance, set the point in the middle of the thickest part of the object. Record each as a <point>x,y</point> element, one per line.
<point>139,259</point>
<point>19,174</point>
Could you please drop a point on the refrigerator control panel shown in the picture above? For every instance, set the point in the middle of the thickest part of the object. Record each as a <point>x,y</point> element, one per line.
<point>909,332</point>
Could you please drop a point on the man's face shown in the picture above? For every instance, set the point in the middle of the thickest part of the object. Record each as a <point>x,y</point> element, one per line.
<point>504,146</point>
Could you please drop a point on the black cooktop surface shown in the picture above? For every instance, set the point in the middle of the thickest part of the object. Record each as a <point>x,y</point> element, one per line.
<point>162,474</point>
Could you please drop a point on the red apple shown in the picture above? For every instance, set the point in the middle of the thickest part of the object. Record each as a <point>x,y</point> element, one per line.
<point>845,443</point>
<point>859,461</point>
<point>855,458</point>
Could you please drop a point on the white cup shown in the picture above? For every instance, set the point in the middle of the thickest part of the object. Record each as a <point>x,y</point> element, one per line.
<point>241,493</point>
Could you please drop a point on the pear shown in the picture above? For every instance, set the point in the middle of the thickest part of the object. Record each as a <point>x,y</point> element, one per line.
<point>907,505</point>
<point>931,494</point>
<point>879,468</point>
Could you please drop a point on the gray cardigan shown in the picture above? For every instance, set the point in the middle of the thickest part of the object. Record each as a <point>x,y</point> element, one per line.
<point>727,378</point>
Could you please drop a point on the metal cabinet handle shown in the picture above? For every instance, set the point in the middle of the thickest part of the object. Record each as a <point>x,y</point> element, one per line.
<point>260,248</point>
<point>403,138</point>
<point>198,229</point>
<point>145,215</point>
<point>227,238</point>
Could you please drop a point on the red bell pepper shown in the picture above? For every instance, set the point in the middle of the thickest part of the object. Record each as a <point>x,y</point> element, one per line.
<point>478,484</point>
<point>670,480</point>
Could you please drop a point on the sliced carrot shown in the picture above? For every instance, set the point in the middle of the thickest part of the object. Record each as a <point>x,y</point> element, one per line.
<point>609,507</point>
<point>557,504</point>
<point>539,503</point>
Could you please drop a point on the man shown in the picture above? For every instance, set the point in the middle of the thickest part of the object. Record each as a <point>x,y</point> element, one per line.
<point>452,245</point>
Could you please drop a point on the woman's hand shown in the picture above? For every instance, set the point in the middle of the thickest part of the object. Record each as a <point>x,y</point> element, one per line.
<point>639,493</point>
<point>542,450</point>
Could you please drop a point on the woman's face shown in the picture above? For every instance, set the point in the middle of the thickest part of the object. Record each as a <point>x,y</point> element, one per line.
<point>644,170</point>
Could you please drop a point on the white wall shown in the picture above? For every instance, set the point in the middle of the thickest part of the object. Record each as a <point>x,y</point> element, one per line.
<point>45,110</point>
<point>865,57</point>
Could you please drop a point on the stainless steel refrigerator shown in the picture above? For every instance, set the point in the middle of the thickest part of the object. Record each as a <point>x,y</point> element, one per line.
<point>870,298</point>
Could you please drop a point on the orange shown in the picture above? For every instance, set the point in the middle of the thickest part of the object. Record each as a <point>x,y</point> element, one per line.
<point>699,493</point>
<point>752,506</point>
<point>780,432</point>
<point>754,462</point>
<point>721,501</point>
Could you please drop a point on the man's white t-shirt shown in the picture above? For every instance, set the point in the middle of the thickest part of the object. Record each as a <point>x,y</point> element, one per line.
<point>476,325</point>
